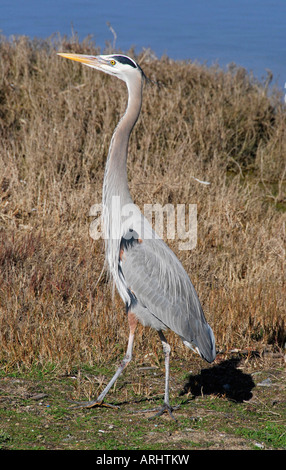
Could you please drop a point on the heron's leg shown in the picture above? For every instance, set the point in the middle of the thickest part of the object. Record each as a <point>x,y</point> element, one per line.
<point>166,405</point>
<point>132,320</point>
<point>167,350</point>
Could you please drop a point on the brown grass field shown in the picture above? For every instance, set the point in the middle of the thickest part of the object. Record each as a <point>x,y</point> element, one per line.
<point>56,122</point>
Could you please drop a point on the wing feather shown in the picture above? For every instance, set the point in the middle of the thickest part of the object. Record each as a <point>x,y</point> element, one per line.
<point>160,283</point>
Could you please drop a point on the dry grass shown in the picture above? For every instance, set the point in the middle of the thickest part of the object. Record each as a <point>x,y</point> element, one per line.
<point>56,121</point>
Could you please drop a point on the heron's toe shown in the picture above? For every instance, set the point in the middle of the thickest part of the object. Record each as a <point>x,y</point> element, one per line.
<point>93,404</point>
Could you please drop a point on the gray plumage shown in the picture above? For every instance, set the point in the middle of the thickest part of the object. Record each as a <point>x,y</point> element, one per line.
<point>149,277</point>
<point>164,295</point>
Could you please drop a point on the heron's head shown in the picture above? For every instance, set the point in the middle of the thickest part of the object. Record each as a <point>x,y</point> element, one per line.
<point>119,65</point>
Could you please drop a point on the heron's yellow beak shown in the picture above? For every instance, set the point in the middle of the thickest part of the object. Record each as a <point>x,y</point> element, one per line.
<point>90,60</point>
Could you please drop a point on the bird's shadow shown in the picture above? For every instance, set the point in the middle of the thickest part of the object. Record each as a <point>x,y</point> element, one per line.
<point>223,379</point>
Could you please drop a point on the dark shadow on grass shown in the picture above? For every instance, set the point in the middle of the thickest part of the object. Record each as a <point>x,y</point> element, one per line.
<point>223,379</point>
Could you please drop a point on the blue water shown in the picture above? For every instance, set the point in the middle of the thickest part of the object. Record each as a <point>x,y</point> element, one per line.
<point>251,33</point>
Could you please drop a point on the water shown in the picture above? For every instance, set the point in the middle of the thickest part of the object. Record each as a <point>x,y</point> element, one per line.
<point>251,33</point>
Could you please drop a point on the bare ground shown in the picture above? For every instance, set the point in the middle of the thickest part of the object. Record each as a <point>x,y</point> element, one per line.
<point>236,404</point>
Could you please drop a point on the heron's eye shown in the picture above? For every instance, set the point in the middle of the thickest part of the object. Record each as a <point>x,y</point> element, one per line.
<point>112,62</point>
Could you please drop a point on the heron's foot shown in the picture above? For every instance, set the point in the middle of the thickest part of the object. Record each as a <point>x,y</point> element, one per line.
<point>166,408</point>
<point>94,404</point>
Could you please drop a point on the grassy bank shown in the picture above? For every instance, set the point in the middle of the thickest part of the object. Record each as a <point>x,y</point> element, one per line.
<point>56,122</point>
<point>239,403</point>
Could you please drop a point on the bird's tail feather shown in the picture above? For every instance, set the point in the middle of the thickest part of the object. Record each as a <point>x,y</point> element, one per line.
<point>206,349</point>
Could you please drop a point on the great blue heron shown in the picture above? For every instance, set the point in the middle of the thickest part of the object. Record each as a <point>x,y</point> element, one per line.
<point>149,277</point>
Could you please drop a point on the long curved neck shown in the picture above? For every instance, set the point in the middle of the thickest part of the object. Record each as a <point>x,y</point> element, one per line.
<point>115,178</point>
